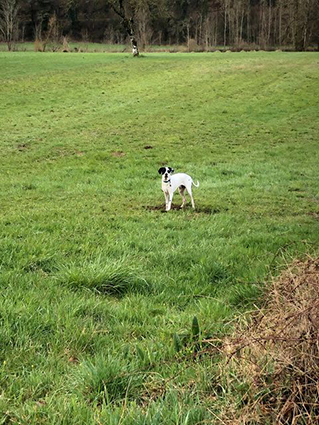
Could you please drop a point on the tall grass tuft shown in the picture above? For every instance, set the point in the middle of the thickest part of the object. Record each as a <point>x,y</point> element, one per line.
<point>115,278</point>
<point>38,45</point>
<point>106,380</point>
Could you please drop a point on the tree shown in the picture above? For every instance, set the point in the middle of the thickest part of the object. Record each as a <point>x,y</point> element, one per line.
<point>9,21</point>
<point>128,23</point>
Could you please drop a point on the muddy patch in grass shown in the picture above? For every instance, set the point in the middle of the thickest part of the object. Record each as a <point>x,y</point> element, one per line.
<point>206,209</point>
<point>202,209</point>
<point>118,153</point>
<point>22,147</point>
<point>161,207</point>
<point>314,215</point>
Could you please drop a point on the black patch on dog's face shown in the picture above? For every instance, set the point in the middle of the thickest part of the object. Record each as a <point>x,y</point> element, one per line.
<point>166,171</point>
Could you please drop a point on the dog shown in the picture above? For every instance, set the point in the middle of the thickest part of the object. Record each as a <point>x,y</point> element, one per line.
<point>171,182</point>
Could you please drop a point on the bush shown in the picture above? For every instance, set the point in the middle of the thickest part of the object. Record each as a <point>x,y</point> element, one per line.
<point>192,45</point>
<point>38,46</point>
<point>273,362</point>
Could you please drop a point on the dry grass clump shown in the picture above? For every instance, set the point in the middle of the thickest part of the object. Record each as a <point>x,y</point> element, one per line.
<point>38,45</point>
<point>273,362</point>
<point>192,45</point>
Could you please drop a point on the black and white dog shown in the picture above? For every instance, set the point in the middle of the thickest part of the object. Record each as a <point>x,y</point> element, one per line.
<point>171,182</point>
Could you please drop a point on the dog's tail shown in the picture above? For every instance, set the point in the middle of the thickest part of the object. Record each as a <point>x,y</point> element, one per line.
<point>196,185</point>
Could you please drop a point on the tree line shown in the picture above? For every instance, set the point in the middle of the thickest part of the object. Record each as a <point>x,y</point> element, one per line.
<point>201,24</point>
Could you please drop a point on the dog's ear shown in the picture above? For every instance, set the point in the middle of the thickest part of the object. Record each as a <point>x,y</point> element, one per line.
<point>171,170</point>
<point>161,170</point>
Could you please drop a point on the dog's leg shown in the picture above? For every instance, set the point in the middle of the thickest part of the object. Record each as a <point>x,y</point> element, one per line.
<point>166,200</point>
<point>182,193</point>
<point>189,190</point>
<point>170,198</point>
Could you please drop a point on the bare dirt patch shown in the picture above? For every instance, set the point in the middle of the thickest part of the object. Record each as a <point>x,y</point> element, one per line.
<point>118,153</point>
<point>160,207</point>
<point>204,209</point>
<point>22,147</point>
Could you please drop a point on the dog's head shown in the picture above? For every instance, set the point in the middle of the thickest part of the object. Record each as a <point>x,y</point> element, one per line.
<point>166,172</point>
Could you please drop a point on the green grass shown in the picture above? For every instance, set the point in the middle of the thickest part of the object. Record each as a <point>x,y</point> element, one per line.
<point>95,279</point>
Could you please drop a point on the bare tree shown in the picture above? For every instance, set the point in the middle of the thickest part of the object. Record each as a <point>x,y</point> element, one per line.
<point>128,24</point>
<point>9,21</point>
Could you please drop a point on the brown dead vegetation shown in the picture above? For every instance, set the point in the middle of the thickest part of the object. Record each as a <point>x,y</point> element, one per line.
<point>118,154</point>
<point>272,362</point>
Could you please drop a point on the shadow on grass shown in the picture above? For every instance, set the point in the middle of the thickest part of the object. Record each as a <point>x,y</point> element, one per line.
<point>202,209</point>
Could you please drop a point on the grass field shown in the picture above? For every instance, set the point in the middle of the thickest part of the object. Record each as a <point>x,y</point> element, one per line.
<point>99,287</point>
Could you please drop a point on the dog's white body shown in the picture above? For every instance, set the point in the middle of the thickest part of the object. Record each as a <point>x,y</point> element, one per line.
<point>171,182</point>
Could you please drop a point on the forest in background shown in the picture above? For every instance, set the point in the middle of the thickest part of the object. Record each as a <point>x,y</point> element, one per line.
<point>201,24</point>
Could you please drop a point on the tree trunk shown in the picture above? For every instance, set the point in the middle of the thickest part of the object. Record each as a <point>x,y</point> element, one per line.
<point>225,24</point>
<point>269,23</point>
<point>216,29</point>
<point>241,27</point>
<point>128,25</point>
<point>280,18</point>
<point>299,27</point>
